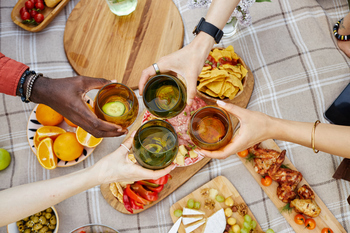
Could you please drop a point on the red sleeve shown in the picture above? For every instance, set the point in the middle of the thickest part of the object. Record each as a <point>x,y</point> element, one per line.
<point>10,73</point>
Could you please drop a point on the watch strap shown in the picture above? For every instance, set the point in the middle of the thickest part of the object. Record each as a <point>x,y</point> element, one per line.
<point>210,29</point>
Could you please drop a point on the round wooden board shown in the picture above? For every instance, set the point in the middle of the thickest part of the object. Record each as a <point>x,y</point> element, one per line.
<point>180,174</point>
<point>102,45</point>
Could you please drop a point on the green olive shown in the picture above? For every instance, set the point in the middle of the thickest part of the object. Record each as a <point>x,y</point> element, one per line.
<point>53,220</point>
<point>27,230</point>
<point>42,220</point>
<point>37,227</point>
<point>30,224</point>
<point>31,217</point>
<point>52,226</point>
<point>48,215</point>
<point>21,227</point>
<point>26,219</point>
<point>44,229</point>
<point>49,232</point>
<point>35,219</point>
<point>49,210</point>
<point>38,214</point>
<point>18,223</point>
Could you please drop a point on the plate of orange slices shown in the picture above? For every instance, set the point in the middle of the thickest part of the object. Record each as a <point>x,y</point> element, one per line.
<point>56,141</point>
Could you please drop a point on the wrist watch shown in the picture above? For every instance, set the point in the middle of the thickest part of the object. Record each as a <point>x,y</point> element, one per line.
<point>208,28</point>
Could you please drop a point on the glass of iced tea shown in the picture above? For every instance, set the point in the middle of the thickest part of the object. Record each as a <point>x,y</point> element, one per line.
<point>210,128</point>
<point>165,96</point>
<point>116,103</point>
<point>155,144</point>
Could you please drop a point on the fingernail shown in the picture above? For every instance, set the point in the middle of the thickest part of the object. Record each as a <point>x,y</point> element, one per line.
<point>220,103</point>
<point>133,134</point>
<point>114,81</point>
<point>200,153</point>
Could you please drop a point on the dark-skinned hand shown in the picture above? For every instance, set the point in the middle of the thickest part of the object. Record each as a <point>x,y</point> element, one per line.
<point>66,96</point>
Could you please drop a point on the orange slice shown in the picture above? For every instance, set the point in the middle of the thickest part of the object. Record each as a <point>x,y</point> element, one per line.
<point>86,139</point>
<point>48,132</point>
<point>45,154</point>
<point>36,141</point>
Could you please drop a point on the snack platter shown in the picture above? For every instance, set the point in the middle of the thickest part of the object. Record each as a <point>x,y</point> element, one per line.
<point>49,14</point>
<point>226,189</point>
<point>325,219</point>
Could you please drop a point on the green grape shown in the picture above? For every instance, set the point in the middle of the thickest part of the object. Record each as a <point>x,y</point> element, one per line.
<point>190,203</point>
<point>230,231</point>
<point>219,198</point>
<point>247,226</point>
<point>270,231</point>
<point>244,230</point>
<point>247,218</point>
<point>197,205</point>
<point>178,213</point>
<point>253,224</point>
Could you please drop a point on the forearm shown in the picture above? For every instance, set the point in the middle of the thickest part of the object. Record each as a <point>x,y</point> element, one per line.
<point>28,199</point>
<point>333,139</point>
<point>220,11</point>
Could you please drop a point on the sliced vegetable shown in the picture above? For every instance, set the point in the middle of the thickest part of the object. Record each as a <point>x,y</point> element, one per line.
<point>141,191</point>
<point>148,184</point>
<point>127,203</point>
<point>135,197</point>
<point>158,189</point>
<point>135,205</point>
<point>162,180</point>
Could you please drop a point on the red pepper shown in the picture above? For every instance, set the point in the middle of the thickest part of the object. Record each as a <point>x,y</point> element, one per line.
<point>140,190</point>
<point>158,189</point>
<point>135,205</point>
<point>162,180</point>
<point>135,197</point>
<point>127,203</point>
<point>148,184</point>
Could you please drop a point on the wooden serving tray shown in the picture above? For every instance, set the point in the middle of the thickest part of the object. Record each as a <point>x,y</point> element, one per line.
<point>325,219</point>
<point>100,44</point>
<point>49,14</point>
<point>226,189</point>
<point>180,174</point>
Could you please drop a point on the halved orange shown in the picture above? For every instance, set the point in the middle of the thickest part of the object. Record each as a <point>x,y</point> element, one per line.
<point>49,132</point>
<point>86,139</point>
<point>45,154</point>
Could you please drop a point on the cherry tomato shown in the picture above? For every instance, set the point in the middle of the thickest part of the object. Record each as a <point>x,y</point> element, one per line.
<point>25,16</point>
<point>299,219</point>
<point>33,13</point>
<point>243,153</point>
<point>40,6</point>
<point>310,224</point>
<point>266,181</point>
<point>22,10</point>
<point>39,18</point>
<point>36,1</point>
<point>326,230</point>
<point>29,5</point>
<point>32,1</point>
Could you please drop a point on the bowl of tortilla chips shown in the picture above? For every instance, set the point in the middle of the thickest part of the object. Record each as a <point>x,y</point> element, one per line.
<point>223,76</point>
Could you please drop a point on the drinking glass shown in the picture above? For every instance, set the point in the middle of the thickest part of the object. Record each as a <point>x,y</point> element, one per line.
<point>155,144</point>
<point>165,96</point>
<point>122,7</point>
<point>116,103</point>
<point>210,128</point>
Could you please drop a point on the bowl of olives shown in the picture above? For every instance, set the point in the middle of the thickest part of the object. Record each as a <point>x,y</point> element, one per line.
<point>45,221</point>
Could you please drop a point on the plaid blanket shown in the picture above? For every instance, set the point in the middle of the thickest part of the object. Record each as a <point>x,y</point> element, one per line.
<point>298,72</point>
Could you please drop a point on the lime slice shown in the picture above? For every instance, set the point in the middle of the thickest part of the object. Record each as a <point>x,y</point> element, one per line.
<point>114,109</point>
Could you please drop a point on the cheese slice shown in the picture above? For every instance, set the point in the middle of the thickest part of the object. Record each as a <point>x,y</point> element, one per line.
<point>176,226</point>
<point>216,223</point>
<point>194,226</point>
<point>187,211</point>
<point>188,220</point>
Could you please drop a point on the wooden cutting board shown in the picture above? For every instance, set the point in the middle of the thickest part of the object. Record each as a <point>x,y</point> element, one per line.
<point>180,174</point>
<point>102,45</point>
<point>226,189</point>
<point>325,219</point>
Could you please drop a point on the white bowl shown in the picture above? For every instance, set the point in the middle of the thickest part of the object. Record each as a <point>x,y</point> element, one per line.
<point>12,228</point>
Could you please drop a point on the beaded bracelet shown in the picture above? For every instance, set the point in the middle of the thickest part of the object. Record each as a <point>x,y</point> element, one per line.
<point>21,83</point>
<point>338,36</point>
<point>30,84</point>
<point>313,136</point>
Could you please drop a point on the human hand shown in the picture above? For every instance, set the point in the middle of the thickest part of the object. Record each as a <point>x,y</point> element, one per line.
<point>254,127</point>
<point>117,167</point>
<point>66,97</point>
<point>187,62</point>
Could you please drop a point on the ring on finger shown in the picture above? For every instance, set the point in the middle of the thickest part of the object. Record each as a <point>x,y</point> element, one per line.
<point>156,68</point>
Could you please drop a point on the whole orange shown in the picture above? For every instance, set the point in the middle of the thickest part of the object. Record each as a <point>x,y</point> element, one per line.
<point>47,116</point>
<point>69,122</point>
<point>66,147</point>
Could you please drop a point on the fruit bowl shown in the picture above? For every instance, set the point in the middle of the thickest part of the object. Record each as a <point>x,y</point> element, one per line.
<point>94,228</point>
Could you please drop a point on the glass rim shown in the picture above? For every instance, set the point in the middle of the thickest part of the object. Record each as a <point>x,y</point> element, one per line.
<point>174,133</point>
<point>109,84</point>
<point>94,224</point>
<point>217,108</point>
<point>173,78</point>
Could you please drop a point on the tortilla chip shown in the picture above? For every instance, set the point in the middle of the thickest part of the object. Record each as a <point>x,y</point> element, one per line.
<point>233,94</point>
<point>235,82</point>
<point>209,92</point>
<point>216,54</point>
<point>215,86</point>
<point>244,71</point>
<point>117,191</point>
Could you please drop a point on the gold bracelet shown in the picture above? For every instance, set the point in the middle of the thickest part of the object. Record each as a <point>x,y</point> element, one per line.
<point>313,136</point>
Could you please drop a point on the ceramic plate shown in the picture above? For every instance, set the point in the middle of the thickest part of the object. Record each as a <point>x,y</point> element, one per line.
<point>33,125</point>
<point>188,161</point>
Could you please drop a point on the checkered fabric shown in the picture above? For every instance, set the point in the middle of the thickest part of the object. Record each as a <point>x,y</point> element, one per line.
<point>298,72</point>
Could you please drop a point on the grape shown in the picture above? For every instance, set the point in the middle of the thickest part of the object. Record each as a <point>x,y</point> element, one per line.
<point>178,213</point>
<point>253,224</point>
<point>190,203</point>
<point>247,226</point>
<point>247,218</point>
<point>244,230</point>
<point>269,231</point>
<point>219,198</point>
<point>197,205</point>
